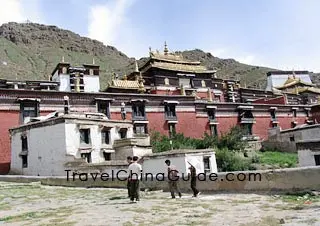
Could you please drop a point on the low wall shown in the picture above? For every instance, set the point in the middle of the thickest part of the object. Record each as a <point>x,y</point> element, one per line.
<point>294,179</point>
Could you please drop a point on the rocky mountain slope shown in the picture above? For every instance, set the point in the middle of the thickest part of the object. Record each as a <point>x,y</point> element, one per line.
<point>31,51</point>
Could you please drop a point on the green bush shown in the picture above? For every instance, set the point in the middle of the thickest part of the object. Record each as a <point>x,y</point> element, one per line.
<point>230,161</point>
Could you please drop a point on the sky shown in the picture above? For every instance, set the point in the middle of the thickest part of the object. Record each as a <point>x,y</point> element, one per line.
<point>281,34</point>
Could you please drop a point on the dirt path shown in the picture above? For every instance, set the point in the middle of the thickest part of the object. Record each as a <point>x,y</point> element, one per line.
<point>33,204</point>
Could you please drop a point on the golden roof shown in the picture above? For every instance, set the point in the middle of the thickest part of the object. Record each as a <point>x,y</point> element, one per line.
<point>124,84</point>
<point>306,89</point>
<point>181,67</point>
<point>293,81</point>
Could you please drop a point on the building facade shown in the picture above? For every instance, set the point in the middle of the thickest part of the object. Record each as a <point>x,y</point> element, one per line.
<point>46,147</point>
<point>166,94</point>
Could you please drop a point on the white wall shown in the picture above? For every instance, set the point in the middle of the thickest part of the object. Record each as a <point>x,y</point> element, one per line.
<point>306,157</point>
<point>64,82</point>
<point>157,165</point>
<point>46,151</point>
<point>91,83</point>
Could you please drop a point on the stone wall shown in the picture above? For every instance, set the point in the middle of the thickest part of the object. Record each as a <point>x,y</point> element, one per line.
<point>282,180</point>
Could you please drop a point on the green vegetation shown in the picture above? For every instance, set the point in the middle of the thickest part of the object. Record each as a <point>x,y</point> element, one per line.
<point>229,148</point>
<point>281,159</point>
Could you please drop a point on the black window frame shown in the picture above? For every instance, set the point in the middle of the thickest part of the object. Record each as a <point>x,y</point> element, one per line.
<point>29,113</point>
<point>138,111</point>
<point>211,114</point>
<point>144,125</point>
<point>317,160</point>
<point>104,107</point>
<point>170,111</point>
<point>105,136</point>
<point>107,156</point>
<point>123,133</point>
<point>87,139</point>
<point>24,161</point>
<point>87,157</point>
<point>214,130</point>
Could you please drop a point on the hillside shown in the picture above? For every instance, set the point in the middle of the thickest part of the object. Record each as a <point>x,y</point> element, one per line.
<point>31,51</point>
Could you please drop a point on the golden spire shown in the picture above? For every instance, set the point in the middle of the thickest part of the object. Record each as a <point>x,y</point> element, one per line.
<point>165,48</point>
<point>136,66</point>
<point>293,74</point>
<point>209,95</point>
<point>150,52</point>
<point>125,77</point>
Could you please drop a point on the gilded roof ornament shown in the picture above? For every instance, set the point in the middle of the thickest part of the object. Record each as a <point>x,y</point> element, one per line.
<point>136,69</point>
<point>165,48</point>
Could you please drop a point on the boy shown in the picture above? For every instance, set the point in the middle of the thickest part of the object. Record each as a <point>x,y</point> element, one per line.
<point>129,160</point>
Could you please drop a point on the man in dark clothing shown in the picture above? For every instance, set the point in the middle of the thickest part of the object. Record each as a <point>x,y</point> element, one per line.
<point>135,170</point>
<point>173,179</point>
<point>193,175</point>
<point>129,160</point>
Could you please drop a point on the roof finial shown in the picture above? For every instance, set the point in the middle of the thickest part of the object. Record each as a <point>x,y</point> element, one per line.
<point>93,60</point>
<point>136,69</point>
<point>165,48</point>
<point>150,52</point>
<point>62,59</point>
<point>293,74</point>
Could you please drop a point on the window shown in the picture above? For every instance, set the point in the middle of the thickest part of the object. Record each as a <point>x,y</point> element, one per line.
<point>273,115</point>
<point>184,82</point>
<point>104,107</point>
<point>206,163</point>
<point>292,138</point>
<point>138,111</point>
<point>170,111</point>
<point>247,129</point>
<point>123,133</point>
<point>105,136</point>
<point>107,156</point>
<point>86,156</point>
<point>24,161</point>
<point>85,136</point>
<point>212,114</point>
<point>294,112</point>
<point>140,129</point>
<point>307,113</point>
<point>172,129</point>
<point>213,129</point>
<point>29,109</point>
<point>24,143</point>
<point>317,160</point>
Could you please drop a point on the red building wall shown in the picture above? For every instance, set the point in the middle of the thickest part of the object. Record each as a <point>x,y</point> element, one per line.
<point>8,119</point>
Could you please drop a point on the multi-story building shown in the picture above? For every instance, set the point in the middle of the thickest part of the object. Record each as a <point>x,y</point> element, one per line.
<point>167,94</point>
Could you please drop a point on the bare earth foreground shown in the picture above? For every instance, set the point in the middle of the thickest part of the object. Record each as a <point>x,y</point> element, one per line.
<point>34,204</point>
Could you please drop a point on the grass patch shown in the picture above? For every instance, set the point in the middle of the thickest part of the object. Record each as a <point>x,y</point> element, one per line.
<point>281,159</point>
<point>136,210</point>
<point>61,212</point>
<point>265,221</point>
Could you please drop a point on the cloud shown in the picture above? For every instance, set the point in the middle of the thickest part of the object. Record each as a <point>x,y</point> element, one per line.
<point>106,20</point>
<point>20,11</point>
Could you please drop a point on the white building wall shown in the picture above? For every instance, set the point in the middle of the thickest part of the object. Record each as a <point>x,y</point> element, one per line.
<point>306,157</point>
<point>46,156</point>
<point>64,82</point>
<point>91,83</point>
<point>158,165</point>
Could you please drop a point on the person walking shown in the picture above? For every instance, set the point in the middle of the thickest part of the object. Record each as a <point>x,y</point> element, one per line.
<point>193,175</point>
<point>134,177</point>
<point>173,179</point>
<point>129,160</point>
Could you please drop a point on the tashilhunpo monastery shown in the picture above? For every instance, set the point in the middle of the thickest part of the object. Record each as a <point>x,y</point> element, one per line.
<point>70,120</point>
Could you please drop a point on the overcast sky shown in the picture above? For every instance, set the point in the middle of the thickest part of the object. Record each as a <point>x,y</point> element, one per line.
<point>282,34</point>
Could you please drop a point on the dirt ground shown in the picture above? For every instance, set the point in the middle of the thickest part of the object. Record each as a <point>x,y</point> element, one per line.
<point>34,204</point>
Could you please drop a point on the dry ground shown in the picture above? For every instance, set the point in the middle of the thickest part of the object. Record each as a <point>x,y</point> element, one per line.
<point>34,204</point>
